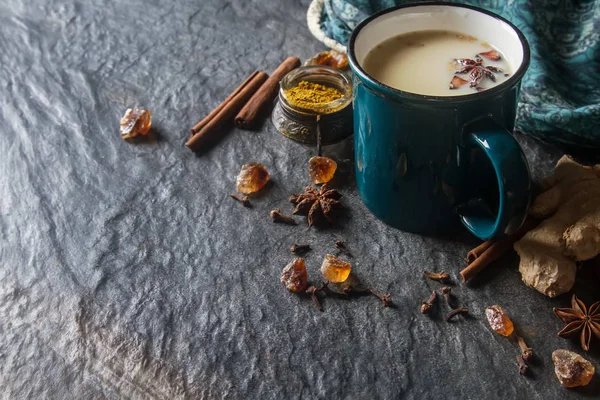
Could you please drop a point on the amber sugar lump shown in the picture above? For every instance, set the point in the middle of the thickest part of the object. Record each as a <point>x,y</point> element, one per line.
<point>499,320</point>
<point>135,122</point>
<point>334,269</point>
<point>329,58</point>
<point>252,177</point>
<point>571,369</point>
<point>294,276</point>
<point>321,169</point>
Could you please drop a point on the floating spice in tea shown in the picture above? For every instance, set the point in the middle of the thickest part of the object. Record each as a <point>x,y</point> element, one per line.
<point>321,169</point>
<point>457,82</point>
<point>468,38</point>
<point>135,122</point>
<point>476,70</point>
<point>252,178</point>
<point>491,55</point>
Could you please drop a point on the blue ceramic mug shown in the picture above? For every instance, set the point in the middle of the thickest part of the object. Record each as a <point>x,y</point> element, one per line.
<point>423,162</point>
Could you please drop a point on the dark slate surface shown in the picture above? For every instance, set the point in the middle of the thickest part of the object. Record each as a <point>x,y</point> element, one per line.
<point>127,272</point>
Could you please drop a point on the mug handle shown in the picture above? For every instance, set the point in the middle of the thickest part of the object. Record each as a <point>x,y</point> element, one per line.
<point>514,186</point>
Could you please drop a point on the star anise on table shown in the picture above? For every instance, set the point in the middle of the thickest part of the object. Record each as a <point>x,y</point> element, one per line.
<point>578,318</point>
<point>317,204</point>
<point>477,71</point>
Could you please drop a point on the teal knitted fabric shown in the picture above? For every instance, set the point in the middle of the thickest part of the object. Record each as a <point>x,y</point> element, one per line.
<point>560,96</point>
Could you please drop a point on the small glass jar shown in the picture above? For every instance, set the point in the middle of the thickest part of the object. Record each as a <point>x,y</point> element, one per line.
<point>300,124</point>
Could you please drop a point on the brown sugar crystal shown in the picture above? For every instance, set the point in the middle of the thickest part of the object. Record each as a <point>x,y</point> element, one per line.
<point>499,320</point>
<point>294,276</point>
<point>252,178</point>
<point>321,169</point>
<point>135,122</point>
<point>334,269</point>
<point>329,58</point>
<point>571,369</point>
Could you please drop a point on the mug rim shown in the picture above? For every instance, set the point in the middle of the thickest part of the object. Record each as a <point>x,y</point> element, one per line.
<point>511,81</point>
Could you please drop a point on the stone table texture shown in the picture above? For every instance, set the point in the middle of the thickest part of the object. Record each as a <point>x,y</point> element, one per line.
<point>126,271</point>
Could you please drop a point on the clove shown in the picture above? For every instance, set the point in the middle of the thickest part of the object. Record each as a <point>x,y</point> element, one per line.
<point>456,311</point>
<point>300,248</point>
<point>329,291</point>
<point>426,305</point>
<point>526,352</point>
<point>326,290</point>
<point>447,292</point>
<point>242,199</point>
<point>386,299</point>
<point>342,248</point>
<point>279,217</point>
<point>312,291</point>
<point>347,291</point>
<point>441,277</point>
<point>522,364</point>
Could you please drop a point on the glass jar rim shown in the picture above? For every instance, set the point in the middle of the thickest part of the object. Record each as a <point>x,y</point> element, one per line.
<point>317,74</point>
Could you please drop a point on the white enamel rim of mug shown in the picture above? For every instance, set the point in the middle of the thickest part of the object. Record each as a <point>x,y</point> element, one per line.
<point>412,17</point>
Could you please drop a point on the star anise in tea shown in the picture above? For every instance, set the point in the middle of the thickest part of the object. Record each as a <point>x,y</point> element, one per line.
<point>476,70</point>
<point>317,204</point>
<point>579,318</point>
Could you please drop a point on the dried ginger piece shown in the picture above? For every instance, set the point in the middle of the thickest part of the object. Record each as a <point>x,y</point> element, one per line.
<point>570,232</point>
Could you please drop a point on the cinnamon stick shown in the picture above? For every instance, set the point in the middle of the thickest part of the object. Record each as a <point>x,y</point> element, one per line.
<point>214,112</point>
<point>227,112</point>
<point>478,251</point>
<point>247,117</point>
<point>495,250</point>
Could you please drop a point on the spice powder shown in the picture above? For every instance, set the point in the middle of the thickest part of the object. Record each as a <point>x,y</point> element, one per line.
<point>312,96</point>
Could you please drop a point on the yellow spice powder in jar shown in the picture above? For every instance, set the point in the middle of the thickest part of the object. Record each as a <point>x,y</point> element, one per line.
<point>312,96</point>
